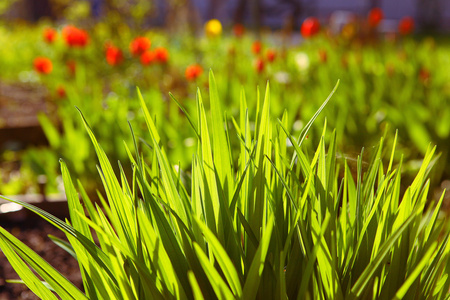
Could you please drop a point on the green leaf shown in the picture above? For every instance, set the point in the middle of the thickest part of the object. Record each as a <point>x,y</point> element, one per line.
<point>35,285</point>
<point>187,115</point>
<point>221,145</point>
<point>253,278</point>
<point>308,125</point>
<point>195,287</point>
<point>63,245</point>
<point>210,190</point>
<point>95,253</point>
<point>228,268</point>
<point>416,272</point>
<point>220,287</point>
<point>59,283</point>
<point>50,130</point>
<point>373,265</point>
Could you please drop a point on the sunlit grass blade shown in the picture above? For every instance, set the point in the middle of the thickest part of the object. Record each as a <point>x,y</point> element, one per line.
<point>255,213</point>
<point>195,287</point>
<point>415,273</point>
<point>221,145</point>
<point>188,116</point>
<point>59,283</point>
<point>223,260</point>
<point>210,191</point>
<point>97,254</point>
<point>253,278</point>
<point>371,268</point>
<point>63,245</point>
<point>33,283</point>
<point>308,125</point>
<point>309,269</point>
<point>122,210</point>
<point>220,287</point>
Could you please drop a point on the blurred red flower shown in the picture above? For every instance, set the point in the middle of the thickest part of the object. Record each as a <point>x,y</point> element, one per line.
<point>148,57</point>
<point>424,75</point>
<point>72,66</point>
<point>271,55</point>
<point>49,35</point>
<point>406,25</point>
<point>256,47</point>
<point>114,55</point>
<point>75,37</point>
<point>43,65</point>
<point>238,30</point>
<point>61,92</point>
<point>193,72</point>
<point>139,45</point>
<point>259,65</point>
<point>375,16</point>
<point>323,56</point>
<point>161,55</point>
<point>310,27</point>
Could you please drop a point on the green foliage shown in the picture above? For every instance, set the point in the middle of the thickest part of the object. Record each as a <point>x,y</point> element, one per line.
<point>266,221</point>
<point>396,85</point>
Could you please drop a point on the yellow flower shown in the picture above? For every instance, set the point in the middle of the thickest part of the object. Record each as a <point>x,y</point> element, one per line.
<point>213,28</point>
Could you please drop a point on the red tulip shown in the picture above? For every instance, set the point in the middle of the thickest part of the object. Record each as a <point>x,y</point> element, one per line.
<point>139,45</point>
<point>323,56</point>
<point>424,75</point>
<point>406,25</point>
<point>49,35</point>
<point>114,55</point>
<point>256,47</point>
<point>72,66</point>
<point>375,16</point>
<point>259,65</point>
<point>310,27</point>
<point>75,37</point>
<point>61,92</point>
<point>148,57</point>
<point>238,30</point>
<point>161,55</point>
<point>193,72</point>
<point>271,55</point>
<point>43,65</point>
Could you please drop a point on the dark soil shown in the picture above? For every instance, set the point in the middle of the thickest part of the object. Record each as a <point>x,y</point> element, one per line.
<point>34,233</point>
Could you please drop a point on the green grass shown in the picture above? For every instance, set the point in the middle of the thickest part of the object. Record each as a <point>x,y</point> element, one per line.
<point>267,219</point>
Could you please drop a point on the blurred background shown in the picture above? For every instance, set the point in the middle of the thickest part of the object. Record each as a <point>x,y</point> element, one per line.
<point>430,15</point>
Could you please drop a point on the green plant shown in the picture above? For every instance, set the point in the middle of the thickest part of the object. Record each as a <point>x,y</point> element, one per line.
<point>359,112</point>
<point>266,222</point>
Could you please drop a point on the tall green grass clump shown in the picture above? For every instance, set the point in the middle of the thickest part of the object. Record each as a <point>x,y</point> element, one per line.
<point>264,221</point>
